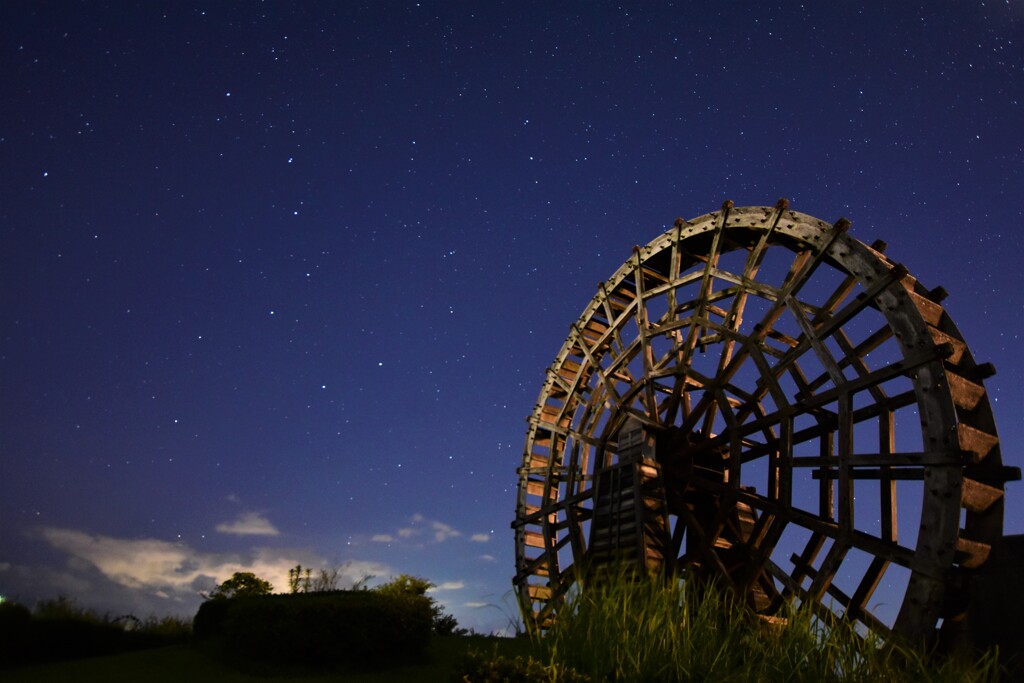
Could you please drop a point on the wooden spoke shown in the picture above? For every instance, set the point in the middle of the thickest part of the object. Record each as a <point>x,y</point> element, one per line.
<point>757,396</point>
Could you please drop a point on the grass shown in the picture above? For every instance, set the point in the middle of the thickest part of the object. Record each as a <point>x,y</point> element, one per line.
<point>649,631</point>
<point>625,630</point>
<point>181,663</point>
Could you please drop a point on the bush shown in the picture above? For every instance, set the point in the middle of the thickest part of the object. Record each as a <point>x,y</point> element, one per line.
<point>15,623</point>
<point>59,639</point>
<point>209,620</point>
<point>241,584</point>
<point>406,584</point>
<point>477,668</point>
<point>167,630</point>
<point>60,630</point>
<point>363,627</point>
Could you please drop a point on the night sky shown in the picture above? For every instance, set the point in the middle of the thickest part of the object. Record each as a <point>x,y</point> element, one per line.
<point>279,281</point>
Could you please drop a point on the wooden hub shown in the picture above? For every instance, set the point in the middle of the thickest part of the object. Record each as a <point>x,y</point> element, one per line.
<point>759,397</point>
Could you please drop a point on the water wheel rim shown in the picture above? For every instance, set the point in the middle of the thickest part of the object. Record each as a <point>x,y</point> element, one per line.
<point>679,287</point>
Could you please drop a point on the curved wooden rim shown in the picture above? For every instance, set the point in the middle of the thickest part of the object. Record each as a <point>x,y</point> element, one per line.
<point>864,324</point>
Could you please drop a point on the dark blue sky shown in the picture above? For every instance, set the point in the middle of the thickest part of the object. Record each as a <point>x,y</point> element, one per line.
<point>279,283</point>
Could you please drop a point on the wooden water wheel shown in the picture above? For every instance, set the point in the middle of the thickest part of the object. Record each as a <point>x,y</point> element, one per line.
<point>759,397</point>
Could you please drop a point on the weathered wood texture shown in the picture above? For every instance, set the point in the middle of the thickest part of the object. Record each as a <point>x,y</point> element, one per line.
<point>758,396</point>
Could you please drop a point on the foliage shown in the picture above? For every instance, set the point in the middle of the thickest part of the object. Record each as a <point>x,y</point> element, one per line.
<point>408,585</point>
<point>304,580</point>
<point>64,608</point>
<point>631,629</point>
<point>405,584</point>
<point>447,625</point>
<point>209,619</point>
<point>15,623</point>
<point>318,628</point>
<point>478,668</point>
<point>196,663</point>
<point>168,628</point>
<point>241,584</point>
<point>58,629</point>
<point>297,582</point>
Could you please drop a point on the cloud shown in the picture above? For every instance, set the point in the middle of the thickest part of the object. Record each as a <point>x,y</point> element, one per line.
<point>449,586</point>
<point>249,524</point>
<point>480,538</point>
<point>476,605</point>
<point>488,558</point>
<point>442,532</point>
<point>177,571</point>
<point>130,563</point>
<point>421,526</point>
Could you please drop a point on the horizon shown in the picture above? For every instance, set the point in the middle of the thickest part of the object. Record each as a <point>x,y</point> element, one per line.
<point>280,283</point>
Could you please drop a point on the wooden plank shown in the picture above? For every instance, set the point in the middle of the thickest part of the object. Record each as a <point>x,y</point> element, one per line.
<point>533,539</point>
<point>540,592</point>
<point>880,473</point>
<point>553,415</point>
<point>845,448</point>
<point>971,554</point>
<point>975,442</point>
<point>646,352</point>
<point>540,568</point>
<point>908,459</point>
<point>569,370</point>
<point>829,566</point>
<point>958,347</point>
<point>862,300</point>
<point>866,587</point>
<point>886,484</point>
<point>536,488</point>
<point>802,563</point>
<point>930,311</point>
<point>966,394</point>
<point>978,497</point>
<point>538,461</point>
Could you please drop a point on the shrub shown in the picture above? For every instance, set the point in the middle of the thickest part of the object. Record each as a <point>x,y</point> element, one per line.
<point>15,623</point>
<point>167,630</point>
<point>477,668</point>
<point>318,628</point>
<point>241,584</point>
<point>60,630</point>
<point>59,639</point>
<point>406,584</point>
<point>209,619</point>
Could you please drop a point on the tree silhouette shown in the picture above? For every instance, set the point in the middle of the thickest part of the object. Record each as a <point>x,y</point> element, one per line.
<point>241,584</point>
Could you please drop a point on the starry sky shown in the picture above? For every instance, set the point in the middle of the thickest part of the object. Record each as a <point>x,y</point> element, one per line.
<point>279,281</point>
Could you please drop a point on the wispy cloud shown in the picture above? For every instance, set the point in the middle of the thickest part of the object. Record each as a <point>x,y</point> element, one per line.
<point>449,586</point>
<point>480,538</point>
<point>442,532</point>
<point>249,524</point>
<point>421,527</point>
<point>176,570</point>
